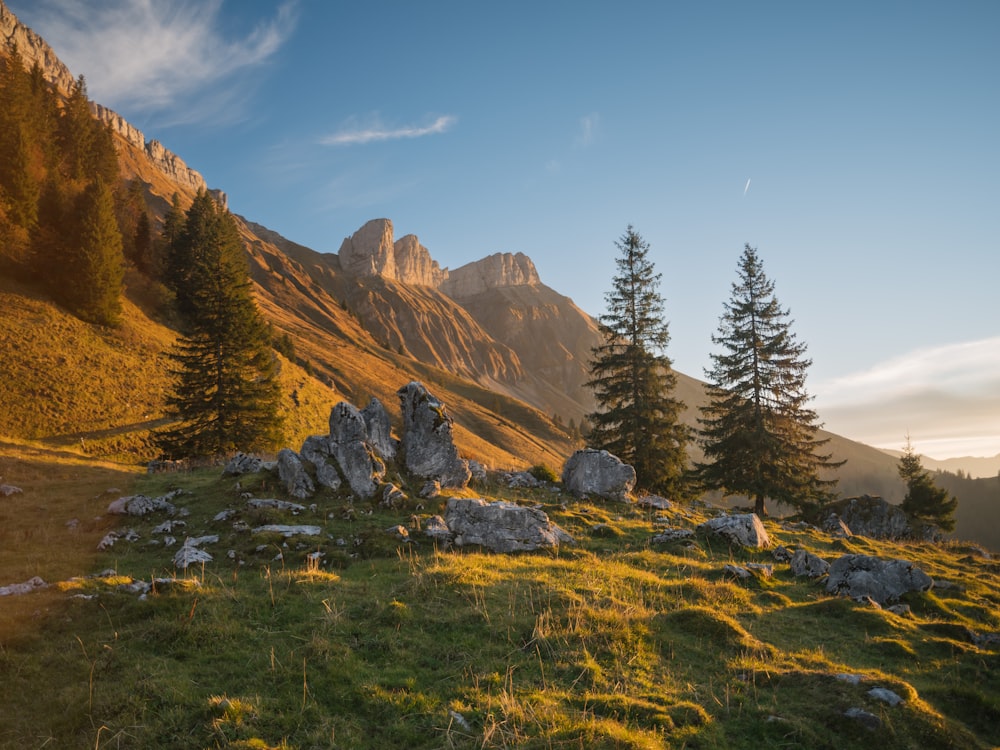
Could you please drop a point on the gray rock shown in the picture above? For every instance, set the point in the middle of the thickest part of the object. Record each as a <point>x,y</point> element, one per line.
<point>15,589</point>
<point>362,468</point>
<point>288,531</point>
<point>805,563</point>
<point>501,526</point>
<point>781,553</point>
<point>737,571</point>
<point>140,505</point>
<point>8,489</point>
<point>431,489</point>
<point>672,535</point>
<point>317,451</point>
<point>392,496</point>
<point>258,502</point>
<point>868,720</point>
<point>379,428</point>
<point>743,529</point>
<point>835,527</point>
<point>293,475</point>
<point>874,518</point>
<point>428,446</point>
<point>400,532</point>
<point>883,581</point>
<point>655,502</point>
<point>243,463</point>
<point>599,473</point>
<point>478,472</point>
<point>436,528</point>
<point>885,695</point>
<point>191,553</point>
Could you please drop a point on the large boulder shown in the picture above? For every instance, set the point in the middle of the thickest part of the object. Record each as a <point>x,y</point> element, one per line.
<point>744,529</point>
<point>379,430</point>
<point>243,463</point>
<point>501,526</point>
<point>594,472</point>
<point>359,464</point>
<point>293,475</point>
<point>882,581</point>
<point>805,564</point>
<point>317,451</point>
<point>428,446</point>
<point>873,517</point>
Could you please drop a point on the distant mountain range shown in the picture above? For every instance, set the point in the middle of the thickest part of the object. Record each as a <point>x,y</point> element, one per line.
<point>977,467</point>
<point>506,353</point>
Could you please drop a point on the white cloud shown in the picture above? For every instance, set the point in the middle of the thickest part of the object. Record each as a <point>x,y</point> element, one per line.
<point>589,125</point>
<point>374,131</point>
<point>150,55</point>
<point>946,398</point>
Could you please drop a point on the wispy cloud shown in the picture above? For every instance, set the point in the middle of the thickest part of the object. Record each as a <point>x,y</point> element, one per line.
<point>154,55</point>
<point>946,398</point>
<point>353,134</point>
<point>588,130</point>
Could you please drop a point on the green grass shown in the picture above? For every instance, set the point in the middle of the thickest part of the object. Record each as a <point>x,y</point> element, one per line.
<point>610,643</point>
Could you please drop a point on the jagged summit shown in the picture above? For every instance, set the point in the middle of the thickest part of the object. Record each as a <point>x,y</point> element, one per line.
<point>494,271</point>
<point>373,251</point>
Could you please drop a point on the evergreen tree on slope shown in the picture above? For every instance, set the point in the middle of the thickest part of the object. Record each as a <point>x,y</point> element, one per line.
<point>226,396</point>
<point>924,500</point>
<point>638,419</point>
<point>757,432</point>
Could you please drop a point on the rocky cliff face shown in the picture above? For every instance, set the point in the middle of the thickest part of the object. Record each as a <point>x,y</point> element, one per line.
<point>371,251</point>
<point>33,49</point>
<point>493,272</point>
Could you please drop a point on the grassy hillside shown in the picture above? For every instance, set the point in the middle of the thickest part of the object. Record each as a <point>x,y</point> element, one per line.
<point>611,643</point>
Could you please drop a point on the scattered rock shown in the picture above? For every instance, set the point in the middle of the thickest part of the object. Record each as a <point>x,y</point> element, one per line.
<point>392,496</point>
<point>400,532</point>
<point>762,569</point>
<point>294,508</point>
<point>655,502</point>
<point>805,563</point>
<point>853,679</point>
<point>836,528</point>
<point>190,555</point>
<point>672,535</point>
<point>140,505</point>
<point>744,529</point>
<point>868,720</point>
<point>901,610</point>
<point>599,473</point>
<point>293,475</point>
<point>737,571</point>
<point>16,589</point>
<point>883,581</point>
<point>885,695</point>
<point>288,531</point>
<point>428,447</point>
<point>8,489</point>
<point>501,526</point>
<point>873,517</point>
<point>431,489</point>
<point>243,463</point>
<point>436,528</point>
<point>781,554</point>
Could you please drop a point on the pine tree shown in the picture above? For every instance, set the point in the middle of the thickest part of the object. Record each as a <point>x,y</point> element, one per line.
<point>757,431</point>
<point>226,395</point>
<point>924,500</point>
<point>97,271</point>
<point>638,419</point>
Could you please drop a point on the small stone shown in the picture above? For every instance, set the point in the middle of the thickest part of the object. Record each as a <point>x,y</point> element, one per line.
<point>885,695</point>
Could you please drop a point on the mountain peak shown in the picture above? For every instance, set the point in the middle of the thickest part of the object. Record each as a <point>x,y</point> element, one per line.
<point>497,270</point>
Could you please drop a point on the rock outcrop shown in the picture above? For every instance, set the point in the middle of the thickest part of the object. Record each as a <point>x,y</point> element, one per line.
<point>33,49</point>
<point>882,581</point>
<point>744,529</point>
<point>371,251</point>
<point>872,517</point>
<point>428,446</point>
<point>599,473</point>
<point>501,526</point>
<point>494,271</point>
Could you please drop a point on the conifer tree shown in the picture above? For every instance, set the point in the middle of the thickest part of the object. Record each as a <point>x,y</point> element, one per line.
<point>924,500</point>
<point>226,394</point>
<point>97,267</point>
<point>638,419</point>
<point>757,433</point>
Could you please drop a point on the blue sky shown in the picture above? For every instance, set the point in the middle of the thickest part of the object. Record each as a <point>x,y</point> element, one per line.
<point>855,144</point>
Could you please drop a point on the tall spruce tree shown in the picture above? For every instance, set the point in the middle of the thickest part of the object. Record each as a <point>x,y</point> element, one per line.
<point>226,394</point>
<point>97,265</point>
<point>638,419</point>
<point>757,433</point>
<point>924,500</point>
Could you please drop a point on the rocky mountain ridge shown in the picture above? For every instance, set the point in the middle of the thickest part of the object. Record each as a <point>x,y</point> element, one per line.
<point>34,49</point>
